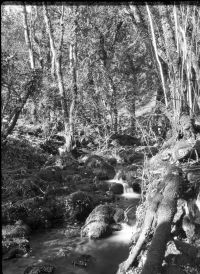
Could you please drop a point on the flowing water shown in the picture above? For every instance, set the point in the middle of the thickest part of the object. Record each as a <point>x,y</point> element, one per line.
<point>58,248</point>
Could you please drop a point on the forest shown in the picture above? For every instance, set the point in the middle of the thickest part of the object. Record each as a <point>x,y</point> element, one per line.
<point>100,138</point>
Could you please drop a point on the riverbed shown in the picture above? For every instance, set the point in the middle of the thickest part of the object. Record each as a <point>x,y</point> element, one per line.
<point>60,247</point>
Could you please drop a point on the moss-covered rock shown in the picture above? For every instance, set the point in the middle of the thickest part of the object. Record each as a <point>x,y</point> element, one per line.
<point>36,212</point>
<point>100,167</point>
<point>15,247</point>
<point>117,188</point>
<point>98,223</point>
<point>78,205</point>
<point>97,230</point>
<point>125,140</point>
<point>19,229</point>
<point>39,269</point>
<point>51,173</point>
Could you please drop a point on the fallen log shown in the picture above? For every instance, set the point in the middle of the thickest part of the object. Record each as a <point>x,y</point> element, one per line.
<point>165,214</point>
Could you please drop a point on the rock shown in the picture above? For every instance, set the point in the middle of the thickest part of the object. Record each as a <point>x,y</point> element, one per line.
<point>97,230</point>
<point>131,156</point>
<point>119,215</point>
<point>98,223</point>
<point>125,140</point>
<point>52,173</point>
<point>50,146</point>
<point>104,186</point>
<point>116,188</point>
<point>83,260</point>
<point>19,230</point>
<point>78,205</point>
<point>136,188</point>
<point>39,269</point>
<point>172,269</point>
<point>68,162</point>
<point>112,161</point>
<point>100,168</point>
<point>15,247</point>
<point>128,173</point>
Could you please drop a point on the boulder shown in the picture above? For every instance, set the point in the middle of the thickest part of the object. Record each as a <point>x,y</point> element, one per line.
<point>100,167</point>
<point>51,173</point>
<point>98,223</point>
<point>35,212</point>
<point>116,188</point>
<point>82,260</point>
<point>130,156</point>
<point>18,230</point>
<point>39,269</point>
<point>136,187</point>
<point>14,248</point>
<point>104,186</point>
<point>78,205</point>
<point>125,140</point>
<point>50,146</point>
<point>112,161</point>
<point>97,230</point>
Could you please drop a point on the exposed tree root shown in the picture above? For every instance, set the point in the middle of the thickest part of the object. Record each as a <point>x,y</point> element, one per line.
<point>165,214</point>
<point>148,221</point>
<point>160,212</point>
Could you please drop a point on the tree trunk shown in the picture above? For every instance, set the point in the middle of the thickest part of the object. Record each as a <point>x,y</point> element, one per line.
<point>156,53</point>
<point>172,56</point>
<point>74,89</point>
<point>30,85</point>
<point>114,106</point>
<point>56,59</point>
<point>28,39</point>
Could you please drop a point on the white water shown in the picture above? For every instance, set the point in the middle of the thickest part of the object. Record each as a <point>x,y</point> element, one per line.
<point>128,191</point>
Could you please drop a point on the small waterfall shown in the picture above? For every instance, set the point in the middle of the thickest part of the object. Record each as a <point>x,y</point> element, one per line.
<point>127,188</point>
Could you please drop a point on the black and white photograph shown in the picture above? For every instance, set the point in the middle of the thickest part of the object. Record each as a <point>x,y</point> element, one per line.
<point>100,137</point>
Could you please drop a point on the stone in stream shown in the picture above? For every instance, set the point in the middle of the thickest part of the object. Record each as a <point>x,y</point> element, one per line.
<point>136,187</point>
<point>40,269</point>
<point>14,240</point>
<point>116,188</point>
<point>98,223</point>
<point>82,260</point>
<point>15,247</point>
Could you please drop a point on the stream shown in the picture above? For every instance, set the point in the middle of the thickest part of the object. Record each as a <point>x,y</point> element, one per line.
<point>57,247</point>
